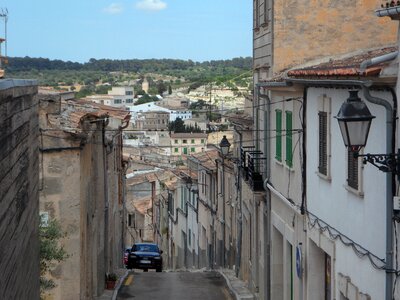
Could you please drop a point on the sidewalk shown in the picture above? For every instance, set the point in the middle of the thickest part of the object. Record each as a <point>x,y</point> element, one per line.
<point>237,287</point>
<point>112,294</point>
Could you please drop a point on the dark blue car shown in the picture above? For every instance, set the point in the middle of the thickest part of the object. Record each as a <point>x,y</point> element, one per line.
<point>145,256</point>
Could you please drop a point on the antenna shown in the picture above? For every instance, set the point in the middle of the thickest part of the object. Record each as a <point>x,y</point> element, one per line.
<point>4,15</point>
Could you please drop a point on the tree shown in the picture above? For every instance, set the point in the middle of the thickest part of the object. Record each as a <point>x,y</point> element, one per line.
<point>146,99</point>
<point>169,90</point>
<point>177,126</point>
<point>51,251</point>
<point>161,88</point>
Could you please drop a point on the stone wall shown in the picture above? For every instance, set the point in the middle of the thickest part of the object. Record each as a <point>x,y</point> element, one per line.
<point>305,30</point>
<point>19,183</point>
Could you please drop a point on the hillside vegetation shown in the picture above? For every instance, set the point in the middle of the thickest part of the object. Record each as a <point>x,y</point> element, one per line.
<point>53,72</point>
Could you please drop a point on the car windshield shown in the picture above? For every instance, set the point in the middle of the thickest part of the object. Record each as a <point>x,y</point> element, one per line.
<point>145,248</point>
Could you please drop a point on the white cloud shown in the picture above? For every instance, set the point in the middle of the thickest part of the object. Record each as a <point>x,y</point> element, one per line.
<point>151,5</point>
<point>113,8</point>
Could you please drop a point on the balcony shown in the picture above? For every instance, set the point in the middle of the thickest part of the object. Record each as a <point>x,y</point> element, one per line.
<point>255,169</point>
<point>252,165</point>
<point>245,161</point>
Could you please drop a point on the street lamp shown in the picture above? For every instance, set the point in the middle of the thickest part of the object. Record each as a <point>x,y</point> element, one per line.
<point>354,120</point>
<point>224,145</point>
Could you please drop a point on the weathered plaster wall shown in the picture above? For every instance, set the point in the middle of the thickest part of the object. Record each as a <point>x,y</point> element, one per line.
<point>308,29</point>
<point>19,197</point>
<point>61,199</point>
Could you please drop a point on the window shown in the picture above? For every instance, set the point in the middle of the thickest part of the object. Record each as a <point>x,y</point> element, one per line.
<point>202,141</point>
<point>265,17</point>
<point>323,143</point>
<point>128,93</point>
<point>131,220</point>
<point>129,100</point>
<point>185,150</point>
<point>184,141</point>
<point>190,237</point>
<point>117,101</point>
<point>289,139</point>
<point>256,13</point>
<point>176,150</point>
<point>182,196</point>
<point>192,149</point>
<point>278,139</point>
<point>328,281</point>
<point>176,141</point>
<point>192,141</point>
<point>352,170</point>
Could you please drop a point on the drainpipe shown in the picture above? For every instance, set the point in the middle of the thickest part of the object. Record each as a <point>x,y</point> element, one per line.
<point>390,130</point>
<point>390,147</point>
<point>240,215</point>
<point>104,124</point>
<point>377,60</point>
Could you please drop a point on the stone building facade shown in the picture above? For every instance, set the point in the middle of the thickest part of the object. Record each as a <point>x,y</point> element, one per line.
<point>82,186</point>
<point>19,190</point>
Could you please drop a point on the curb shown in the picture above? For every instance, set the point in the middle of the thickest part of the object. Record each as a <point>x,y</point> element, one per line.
<point>117,287</point>
<point>237,295</point>
<point>228,283</point>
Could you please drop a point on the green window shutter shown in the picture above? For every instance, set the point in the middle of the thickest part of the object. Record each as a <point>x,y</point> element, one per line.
<point>192,150</point>
<point>176,150</point>
<point>278,139</point>
<point>289,139</point>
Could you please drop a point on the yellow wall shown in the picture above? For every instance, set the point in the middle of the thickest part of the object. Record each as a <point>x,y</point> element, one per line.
<point>308,29</point>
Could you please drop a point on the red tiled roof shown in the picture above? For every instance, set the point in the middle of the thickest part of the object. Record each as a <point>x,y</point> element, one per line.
<point>346,65</point>
<point>207,159</point>
<point>188,135</point>
<point>74,111</point>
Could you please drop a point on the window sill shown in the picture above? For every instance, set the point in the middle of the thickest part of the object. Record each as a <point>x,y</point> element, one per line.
<point>358,193</point>
<point>324,177</point>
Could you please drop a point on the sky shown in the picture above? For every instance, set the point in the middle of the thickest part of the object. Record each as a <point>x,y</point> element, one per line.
<point>78,30</point>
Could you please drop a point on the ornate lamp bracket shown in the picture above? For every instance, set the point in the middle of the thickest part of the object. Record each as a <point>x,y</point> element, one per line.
<point>384,162</point>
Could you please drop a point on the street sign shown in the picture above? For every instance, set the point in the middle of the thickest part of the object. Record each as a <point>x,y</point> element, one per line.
<point>298,261</point>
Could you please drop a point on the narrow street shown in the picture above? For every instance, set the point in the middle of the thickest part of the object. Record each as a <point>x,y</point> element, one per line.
<point>174,285</point>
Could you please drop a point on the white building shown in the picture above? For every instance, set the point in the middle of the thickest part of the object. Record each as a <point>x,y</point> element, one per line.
<point>118,96</point>
<point>152,106</point>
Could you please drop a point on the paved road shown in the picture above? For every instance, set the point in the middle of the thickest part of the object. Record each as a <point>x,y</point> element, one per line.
<point>174,285</point>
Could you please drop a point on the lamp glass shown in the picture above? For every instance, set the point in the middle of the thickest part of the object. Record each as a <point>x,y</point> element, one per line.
<point>224,145</point>
<point>354,120</point>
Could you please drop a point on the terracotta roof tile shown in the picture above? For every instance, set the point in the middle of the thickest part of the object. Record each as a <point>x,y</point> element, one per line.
<point>348,65</point>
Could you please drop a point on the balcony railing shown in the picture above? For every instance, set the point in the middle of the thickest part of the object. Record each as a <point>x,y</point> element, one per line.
<point>255,170</point>
<point>244,151</point>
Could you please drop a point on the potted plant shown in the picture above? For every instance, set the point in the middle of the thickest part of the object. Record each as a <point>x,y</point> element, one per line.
<point>111,279</point>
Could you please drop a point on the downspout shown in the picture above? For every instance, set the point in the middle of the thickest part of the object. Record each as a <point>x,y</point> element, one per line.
<point>303,206</point>
<point>377,60</point>
<point>240,215</point>
<point>267,169</point>
<point>104,124</point>
<point>122,181</point>
<point>390,182</point>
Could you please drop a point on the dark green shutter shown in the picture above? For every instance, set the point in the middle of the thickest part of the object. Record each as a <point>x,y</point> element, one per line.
<point>278,140</point>
<point>289,139</point>
<point>322,144</point>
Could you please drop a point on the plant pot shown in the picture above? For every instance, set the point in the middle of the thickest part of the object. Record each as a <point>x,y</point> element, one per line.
<point>110,285</point>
